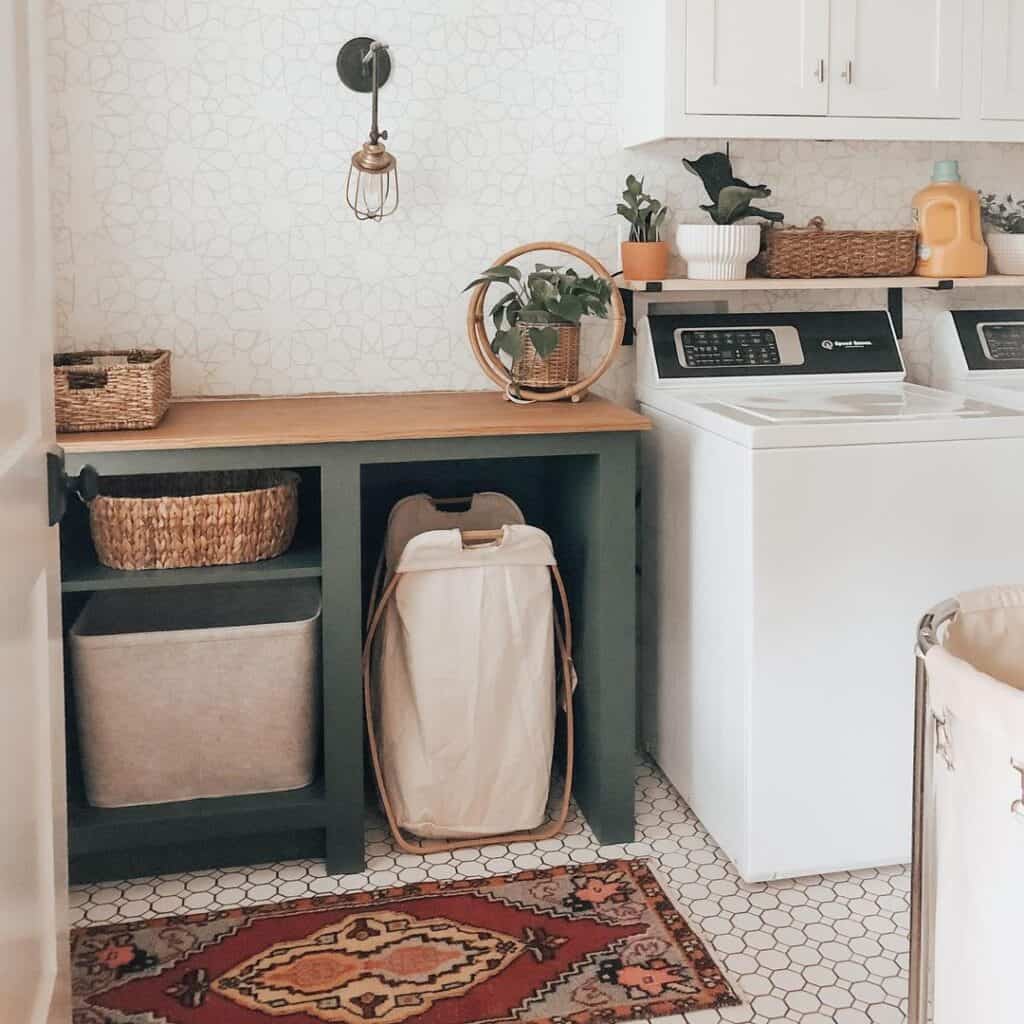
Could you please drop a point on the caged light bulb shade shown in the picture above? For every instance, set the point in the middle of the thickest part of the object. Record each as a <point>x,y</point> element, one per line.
<point>371,189</point>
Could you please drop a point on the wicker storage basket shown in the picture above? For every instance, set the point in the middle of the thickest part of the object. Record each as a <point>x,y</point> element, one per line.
<point>178,520</point>
<point>111,390</point>
<point>815,252</point>
<point>562,366</point>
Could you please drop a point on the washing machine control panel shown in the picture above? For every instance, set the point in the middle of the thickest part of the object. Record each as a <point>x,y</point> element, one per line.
<point>988,339</point>
<point>1002,342</point>
<point>694,346</point>
<point>739,346</point>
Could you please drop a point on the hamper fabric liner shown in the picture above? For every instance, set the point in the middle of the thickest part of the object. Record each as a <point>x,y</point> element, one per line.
<point>460,673</point>
<point>976,694</point>
<point>209,693</point>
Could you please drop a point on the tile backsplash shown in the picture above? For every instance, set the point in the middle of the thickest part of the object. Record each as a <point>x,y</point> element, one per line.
<point>199,159</point>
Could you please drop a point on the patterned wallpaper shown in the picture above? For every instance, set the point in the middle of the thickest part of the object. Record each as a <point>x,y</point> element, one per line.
<point>199,159</point>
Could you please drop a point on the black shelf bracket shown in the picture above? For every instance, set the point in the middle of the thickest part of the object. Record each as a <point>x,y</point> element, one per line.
<point>896,310</point>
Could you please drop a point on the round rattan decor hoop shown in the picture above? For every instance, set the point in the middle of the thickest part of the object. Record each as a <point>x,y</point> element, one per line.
<point>498,372</point>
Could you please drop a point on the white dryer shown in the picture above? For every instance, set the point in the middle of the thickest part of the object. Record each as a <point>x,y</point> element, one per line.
<point>802,506</point>
<point>980,352</point>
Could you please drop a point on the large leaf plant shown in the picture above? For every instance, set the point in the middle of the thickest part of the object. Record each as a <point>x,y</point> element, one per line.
<point>730,196</point>
<point>537,303</point>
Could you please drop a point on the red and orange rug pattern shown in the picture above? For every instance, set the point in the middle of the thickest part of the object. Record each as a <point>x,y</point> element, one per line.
<point>579,944</point>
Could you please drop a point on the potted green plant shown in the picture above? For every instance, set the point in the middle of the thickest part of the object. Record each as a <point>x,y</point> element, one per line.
<point>1004,216</point>
<point>721,250</point>
<point>537,320</point>
<point>644,255</point>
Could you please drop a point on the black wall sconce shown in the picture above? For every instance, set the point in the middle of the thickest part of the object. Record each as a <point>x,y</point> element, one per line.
<point>371,190</point>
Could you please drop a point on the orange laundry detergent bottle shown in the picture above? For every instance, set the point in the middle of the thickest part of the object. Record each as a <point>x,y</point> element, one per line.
<point>948,219</point>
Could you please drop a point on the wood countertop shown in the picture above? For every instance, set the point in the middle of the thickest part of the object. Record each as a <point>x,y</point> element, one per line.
<point>324,419</point>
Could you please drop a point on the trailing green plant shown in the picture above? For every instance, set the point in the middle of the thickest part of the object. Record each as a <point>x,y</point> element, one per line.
<point>644,213</point>
<point>1004,214</point>
<point>547,296</point>
<point>730,196</point>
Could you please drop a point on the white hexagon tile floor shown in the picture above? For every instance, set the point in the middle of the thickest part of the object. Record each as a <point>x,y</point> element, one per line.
<point>818,950</point>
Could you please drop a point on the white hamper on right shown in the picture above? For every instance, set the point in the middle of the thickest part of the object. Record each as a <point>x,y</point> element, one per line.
<point>205,692</point>
<point>976,700</point>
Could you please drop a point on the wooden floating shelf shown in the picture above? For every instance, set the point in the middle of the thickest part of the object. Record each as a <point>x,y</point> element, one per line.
<point>770,284</point>
<point>105,829</point>
<point>302,562</point>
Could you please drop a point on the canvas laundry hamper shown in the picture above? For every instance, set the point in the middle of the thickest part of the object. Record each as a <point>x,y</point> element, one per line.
<point>968,875</point>
<point>200,692</point>
<point>460,675</point>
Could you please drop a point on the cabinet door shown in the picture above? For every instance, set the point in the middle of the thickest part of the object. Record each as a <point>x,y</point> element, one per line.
<point>755,57</point>
<point>896,58</point>
<point>1002,90</point>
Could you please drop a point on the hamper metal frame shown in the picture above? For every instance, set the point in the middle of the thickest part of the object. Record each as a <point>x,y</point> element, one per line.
<point>924,742</point>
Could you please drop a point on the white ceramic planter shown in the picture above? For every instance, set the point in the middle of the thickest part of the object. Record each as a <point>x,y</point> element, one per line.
<point>1006,251</point>
<point>718,252</point>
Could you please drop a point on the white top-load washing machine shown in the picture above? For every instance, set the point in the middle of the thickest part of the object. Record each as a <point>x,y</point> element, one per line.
<point>802,506</point>
<point>980,352</point>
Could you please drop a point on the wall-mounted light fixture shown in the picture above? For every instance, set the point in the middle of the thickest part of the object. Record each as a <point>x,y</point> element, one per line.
<point>372,186</point>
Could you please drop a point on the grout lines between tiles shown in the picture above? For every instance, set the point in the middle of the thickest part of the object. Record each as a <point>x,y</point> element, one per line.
<point>818,950</point>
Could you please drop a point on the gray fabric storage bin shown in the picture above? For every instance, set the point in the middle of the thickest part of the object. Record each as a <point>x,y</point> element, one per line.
<point>199,692</point>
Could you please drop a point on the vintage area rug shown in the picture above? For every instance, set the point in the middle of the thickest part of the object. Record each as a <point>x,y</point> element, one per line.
<point>567,945</point>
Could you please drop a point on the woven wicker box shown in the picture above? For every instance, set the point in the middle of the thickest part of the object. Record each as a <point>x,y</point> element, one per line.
<point>111,390</point>
<point>181,520</point>
<point>815,252</point>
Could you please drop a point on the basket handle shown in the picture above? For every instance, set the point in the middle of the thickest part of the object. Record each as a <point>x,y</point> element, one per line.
<point>87,380</point>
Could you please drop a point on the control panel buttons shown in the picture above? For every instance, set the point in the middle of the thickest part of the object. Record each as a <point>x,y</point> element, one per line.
<point>729,347</point>
<point>1003,342</point>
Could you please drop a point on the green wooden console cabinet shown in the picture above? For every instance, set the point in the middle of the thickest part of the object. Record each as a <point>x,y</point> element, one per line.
<point>572,467</point>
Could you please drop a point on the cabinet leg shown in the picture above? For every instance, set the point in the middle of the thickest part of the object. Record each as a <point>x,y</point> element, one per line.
<point>341,624</point>
<point>605,603</point>
<point>344,851</point>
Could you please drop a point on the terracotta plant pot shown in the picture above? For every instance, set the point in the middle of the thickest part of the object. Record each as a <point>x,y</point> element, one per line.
<point>718,252</point>
<point>644,261</point>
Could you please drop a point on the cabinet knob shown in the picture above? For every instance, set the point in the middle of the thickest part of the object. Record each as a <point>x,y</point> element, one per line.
<point>819,71</point>
<point>847,73</point>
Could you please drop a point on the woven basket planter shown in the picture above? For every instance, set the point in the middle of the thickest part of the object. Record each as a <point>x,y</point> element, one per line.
<point>111,390</point>
<point>562,366</point>
<point>181,520</point>
<point>815,252</point>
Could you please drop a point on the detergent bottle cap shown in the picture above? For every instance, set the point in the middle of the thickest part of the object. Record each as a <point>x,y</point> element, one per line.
<point>946,170</point>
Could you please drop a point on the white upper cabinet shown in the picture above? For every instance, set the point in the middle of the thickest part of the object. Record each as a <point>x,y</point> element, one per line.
<point>1002,89</point>
<point>943,70</point>
<point>756,58</point>
<point>896,58</point>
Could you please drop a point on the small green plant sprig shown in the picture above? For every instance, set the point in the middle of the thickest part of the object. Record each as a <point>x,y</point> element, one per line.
<point>730,196</point>
<point>1004,214</point>
<point>644,213</point>
<point>547,296</point>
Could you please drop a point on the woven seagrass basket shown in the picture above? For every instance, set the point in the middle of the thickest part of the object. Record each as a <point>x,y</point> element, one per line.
<point>180,520</point>
<point>814,252</point>
<point>111,390</point>
<point>562,366</point>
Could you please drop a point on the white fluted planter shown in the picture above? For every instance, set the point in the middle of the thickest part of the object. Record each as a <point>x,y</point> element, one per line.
<point>1006,251</point>
<point>718,252</point>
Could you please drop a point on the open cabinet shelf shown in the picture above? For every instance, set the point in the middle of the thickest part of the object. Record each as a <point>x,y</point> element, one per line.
<point>100,829</point>
<point>572,469</point>
<point>81,572</point>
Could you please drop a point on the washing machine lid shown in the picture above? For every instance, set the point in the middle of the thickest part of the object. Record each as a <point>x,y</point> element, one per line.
<point>999,391</point>
<point>780,416</point>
